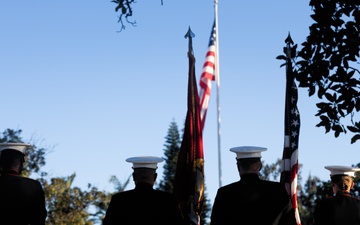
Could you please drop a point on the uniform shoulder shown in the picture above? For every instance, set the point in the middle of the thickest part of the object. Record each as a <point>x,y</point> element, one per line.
<point>123,193</point>
<point>274,186</point>
<point>275,183</point>
<point>165,193</point>
<point>30,181</point>
<point>324,201</point>
<point>229,186</point>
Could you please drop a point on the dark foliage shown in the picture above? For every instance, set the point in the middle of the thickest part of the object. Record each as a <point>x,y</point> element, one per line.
<point>328,64</point>
<point>125,10</point>
<point>124,7</point>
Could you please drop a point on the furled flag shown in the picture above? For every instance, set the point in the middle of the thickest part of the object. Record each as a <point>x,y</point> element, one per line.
<point>189,174</point>
<point>292,128</point>
<point>207,76</point>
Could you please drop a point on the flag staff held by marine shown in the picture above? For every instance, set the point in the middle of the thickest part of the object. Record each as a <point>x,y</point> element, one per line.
<point>189,174</point>
<point>289,165</point>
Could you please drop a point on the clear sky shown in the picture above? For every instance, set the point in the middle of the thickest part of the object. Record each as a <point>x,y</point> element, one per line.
<point>96,96</point>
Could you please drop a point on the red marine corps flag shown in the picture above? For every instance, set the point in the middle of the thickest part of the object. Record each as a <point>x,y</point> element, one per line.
<point>189,174</point>
<point>290,164</point>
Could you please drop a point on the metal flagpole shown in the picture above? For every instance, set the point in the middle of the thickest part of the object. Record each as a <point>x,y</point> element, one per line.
<point>217,79</point>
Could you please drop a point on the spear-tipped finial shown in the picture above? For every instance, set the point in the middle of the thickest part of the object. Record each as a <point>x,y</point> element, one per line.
<point>288,42</point>
<point>189,34</point>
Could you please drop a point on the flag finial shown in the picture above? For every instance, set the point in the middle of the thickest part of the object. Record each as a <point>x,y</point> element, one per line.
<point>288,39</point>
<point>189,34</point>
<point>288,42</point>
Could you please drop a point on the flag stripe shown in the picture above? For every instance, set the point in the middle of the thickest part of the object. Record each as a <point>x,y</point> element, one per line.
<point>207,76</point>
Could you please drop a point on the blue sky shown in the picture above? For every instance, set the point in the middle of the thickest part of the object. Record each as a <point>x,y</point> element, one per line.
<point>95,96</point>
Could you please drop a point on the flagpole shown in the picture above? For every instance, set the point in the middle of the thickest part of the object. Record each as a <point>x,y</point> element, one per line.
<point>217,79</point>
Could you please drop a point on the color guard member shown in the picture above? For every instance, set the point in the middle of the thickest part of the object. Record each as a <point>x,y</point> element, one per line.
<point>22,200</point>
<point>341,208</point>
<point>143,205</point>
<point>252,200</point>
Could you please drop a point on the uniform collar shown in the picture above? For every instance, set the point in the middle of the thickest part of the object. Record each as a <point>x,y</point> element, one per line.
<point>250,176</point>
<point>10,172</point>
<point>343,193</point>
<point>143,186</point>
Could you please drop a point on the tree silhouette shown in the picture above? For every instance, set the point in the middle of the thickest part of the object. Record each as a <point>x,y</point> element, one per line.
<point>328,64</point>
<point>172,147</point>
<point>125,10</point>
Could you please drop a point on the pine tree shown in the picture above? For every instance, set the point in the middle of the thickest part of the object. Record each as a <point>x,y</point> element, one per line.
<point>172,148</point>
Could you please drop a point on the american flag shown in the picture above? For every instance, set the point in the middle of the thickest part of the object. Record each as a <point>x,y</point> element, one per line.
<point>189,174</point>
<point>207,76</point>
<point>292,129</point>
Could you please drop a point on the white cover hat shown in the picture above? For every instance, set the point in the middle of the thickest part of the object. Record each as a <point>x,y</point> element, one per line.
<point>248,151</point>
<point>342,170</point>
<point>14,146</point>
<point>145,161</point>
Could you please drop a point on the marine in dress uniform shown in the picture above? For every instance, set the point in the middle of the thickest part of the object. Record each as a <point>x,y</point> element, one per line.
<point>143,205</point>
<point>22,200</point>
<point>341,208</point>
<point>252,200</point>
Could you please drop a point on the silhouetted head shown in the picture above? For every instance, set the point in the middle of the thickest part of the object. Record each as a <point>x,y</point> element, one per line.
<point>248,159</point>
<point>12,156</point>
<point>342,177</point>
<point>144,168</point>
